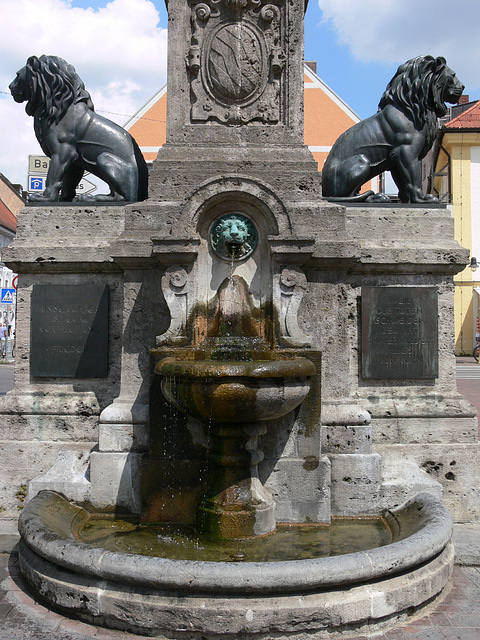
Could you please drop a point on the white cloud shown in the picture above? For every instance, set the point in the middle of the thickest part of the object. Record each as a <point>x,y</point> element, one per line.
<point>392,31</point>
<point>119,51</point>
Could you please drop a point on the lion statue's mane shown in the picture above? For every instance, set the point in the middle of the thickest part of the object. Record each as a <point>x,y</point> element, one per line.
<point>222,237</point>
<point>54,85</point>
<point>408,111</point>
<point>417,88</point>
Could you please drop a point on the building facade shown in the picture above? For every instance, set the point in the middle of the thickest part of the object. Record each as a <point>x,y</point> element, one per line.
<point>11,201</point>
<point>456,180</point>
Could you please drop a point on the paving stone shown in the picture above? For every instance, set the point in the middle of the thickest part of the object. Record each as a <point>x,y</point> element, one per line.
<point>440,619</point>
<point>469,605</point>
<point>461,634</point>
<point>416,632</point>
<point>464,619</point>
<point>78,627</point>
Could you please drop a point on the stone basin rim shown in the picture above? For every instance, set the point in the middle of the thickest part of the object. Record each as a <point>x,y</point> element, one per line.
<point>434,531</point>
<point>294,368</point>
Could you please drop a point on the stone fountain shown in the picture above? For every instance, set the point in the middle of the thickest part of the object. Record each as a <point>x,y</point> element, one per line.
<point>236,392</point>
<point>250,363</point>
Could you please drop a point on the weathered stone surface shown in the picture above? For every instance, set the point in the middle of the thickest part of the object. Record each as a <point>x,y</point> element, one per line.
<point>347,439</point>
<point>454,466</point>
<point>301,489</point>
<point>115,481</point>
<point>402,477</point>
<point>356,484</point>
<point>405,240</point>
<point>68,476</point>
<point>120,437</point>
<point>24,461</point>
<point>424,430</point>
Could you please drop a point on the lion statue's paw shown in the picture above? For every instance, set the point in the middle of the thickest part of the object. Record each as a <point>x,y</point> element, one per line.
<point>378,197</point>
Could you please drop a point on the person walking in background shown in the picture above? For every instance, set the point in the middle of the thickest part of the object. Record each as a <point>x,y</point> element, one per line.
<point>3,340</point>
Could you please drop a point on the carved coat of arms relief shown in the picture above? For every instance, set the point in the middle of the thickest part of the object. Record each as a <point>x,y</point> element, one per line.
<point>236,61</point>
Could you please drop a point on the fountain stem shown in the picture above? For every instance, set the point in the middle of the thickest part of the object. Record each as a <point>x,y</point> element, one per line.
<point>237,505</point>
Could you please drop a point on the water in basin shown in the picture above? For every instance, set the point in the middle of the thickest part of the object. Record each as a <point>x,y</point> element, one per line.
<point>289,542</point>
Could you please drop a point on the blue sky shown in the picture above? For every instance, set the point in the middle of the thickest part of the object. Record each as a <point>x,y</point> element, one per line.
<point>119,50</point>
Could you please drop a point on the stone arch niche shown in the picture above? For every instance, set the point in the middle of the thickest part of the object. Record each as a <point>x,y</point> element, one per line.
<point>272,271</point>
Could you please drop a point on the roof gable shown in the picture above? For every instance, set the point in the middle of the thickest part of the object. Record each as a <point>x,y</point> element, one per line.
<point>469,119</point>
<point>326,117</point>
<point>312,81</point>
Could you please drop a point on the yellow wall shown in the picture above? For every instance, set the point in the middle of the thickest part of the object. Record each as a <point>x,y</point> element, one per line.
<point>458,146</point>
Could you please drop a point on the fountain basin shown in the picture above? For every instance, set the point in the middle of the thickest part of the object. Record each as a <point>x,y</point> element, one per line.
<point>236,391</point>
<point>316,597</point>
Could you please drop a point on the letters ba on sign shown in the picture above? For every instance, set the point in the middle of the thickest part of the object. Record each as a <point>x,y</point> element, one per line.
<point>399,333</point>
<point>69,331</point>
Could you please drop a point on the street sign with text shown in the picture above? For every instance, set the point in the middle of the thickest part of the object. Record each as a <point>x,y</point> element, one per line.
<point>38,164</point>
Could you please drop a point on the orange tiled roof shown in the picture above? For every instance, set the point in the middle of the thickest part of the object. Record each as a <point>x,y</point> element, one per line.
<point>7,219</point>
<point>469,119</point>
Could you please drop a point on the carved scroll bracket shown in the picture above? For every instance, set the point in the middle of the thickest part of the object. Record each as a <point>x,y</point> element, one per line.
<point>290,286</point>
<point>175,287</point>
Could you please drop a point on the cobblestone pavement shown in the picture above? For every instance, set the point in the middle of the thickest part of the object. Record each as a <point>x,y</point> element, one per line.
<point>455,617</point>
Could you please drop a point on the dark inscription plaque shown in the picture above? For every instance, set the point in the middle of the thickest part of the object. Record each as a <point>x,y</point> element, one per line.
<point>399,332</point>
<point>69,331</point>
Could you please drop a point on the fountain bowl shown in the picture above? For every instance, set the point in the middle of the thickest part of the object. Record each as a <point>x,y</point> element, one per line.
<point>314,598</point>
<point>236,391</point>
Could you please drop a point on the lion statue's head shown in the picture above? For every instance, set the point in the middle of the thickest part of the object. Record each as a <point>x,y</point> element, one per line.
<point>231,235</point>
<point>49,85</point>
<point>421,87</point>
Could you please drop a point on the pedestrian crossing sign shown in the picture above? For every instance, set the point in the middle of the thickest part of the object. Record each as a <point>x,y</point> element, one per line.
<point>7,295</point>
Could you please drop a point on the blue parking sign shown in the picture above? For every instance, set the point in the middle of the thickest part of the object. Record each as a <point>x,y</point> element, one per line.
<point>36,183</point>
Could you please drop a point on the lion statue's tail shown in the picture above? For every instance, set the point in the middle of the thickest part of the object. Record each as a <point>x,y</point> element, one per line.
<point>361,197</point>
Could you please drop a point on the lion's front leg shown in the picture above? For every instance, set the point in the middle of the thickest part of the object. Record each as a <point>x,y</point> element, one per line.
<point>407,174</point>
<point>60,163</point>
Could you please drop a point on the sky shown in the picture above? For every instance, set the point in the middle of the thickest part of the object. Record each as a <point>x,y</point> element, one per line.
<point>119,49</point>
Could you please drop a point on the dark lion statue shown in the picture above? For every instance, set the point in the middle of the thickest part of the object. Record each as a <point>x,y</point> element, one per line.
<point>75,137</point>
<point>396,138</point>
